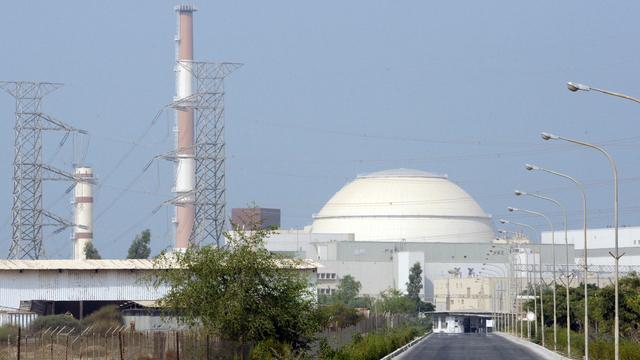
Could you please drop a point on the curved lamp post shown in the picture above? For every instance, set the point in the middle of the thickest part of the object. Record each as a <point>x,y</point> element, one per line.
<point>553,255</point>
<point>581,87</point>
<point>617,255</point>
<point>535,296</point>
<point>583,193</point>
<point>566,244</point>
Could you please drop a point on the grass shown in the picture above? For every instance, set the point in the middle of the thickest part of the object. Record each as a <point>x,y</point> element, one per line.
<point>374,346</point>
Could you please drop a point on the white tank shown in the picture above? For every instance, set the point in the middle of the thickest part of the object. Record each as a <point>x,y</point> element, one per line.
<point>83,211</point>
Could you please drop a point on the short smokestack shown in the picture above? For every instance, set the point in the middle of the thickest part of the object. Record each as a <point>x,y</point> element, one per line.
<point>185,168</point>
<point>83,211</point>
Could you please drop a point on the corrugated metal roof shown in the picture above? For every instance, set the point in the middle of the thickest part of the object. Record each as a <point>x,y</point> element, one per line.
<point>127,264</point>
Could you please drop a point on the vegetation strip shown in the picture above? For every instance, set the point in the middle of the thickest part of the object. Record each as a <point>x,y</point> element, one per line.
<point>406,347</point>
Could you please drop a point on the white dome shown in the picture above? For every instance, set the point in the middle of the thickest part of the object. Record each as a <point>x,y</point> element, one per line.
<point>404,205</point>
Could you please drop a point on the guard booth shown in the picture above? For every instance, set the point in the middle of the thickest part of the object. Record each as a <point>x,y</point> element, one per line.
<point>448,322</point>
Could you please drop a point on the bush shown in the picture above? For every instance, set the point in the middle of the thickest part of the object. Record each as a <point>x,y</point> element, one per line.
<point>55,321</point>
<point>374,346</point>
<point>271,349</point>
<point>105,318</point>
<point>339,315</point>
<point>7,331</point>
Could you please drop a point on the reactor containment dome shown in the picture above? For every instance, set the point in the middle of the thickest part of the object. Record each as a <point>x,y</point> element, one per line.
<point>404,205</point>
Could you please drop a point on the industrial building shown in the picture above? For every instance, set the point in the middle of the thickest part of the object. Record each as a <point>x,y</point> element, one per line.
<point>79,287</point>
<point>380,224</point>
<point>255,218</point>
<point>600,242</point>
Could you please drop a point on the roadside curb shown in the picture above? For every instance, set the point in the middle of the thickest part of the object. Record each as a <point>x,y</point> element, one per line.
<point>406,347</point>
<point>538,349</point>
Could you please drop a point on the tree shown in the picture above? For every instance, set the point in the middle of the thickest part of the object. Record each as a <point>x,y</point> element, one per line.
<point>414,285</point>
<point>348,290</point>
<point>393,301</point>
<point>139,248</point>
<point>90,252</point>
<point>240,292</point>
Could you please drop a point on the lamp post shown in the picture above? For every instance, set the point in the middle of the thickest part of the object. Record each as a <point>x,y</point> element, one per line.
<point>535,303</point>
<point>581,87</point>
<point>617,255</point>
<point>496,274</point>
<point>583,193</point>
<point>566,246</point>
<point>553,255</point>
<point>510,320</point>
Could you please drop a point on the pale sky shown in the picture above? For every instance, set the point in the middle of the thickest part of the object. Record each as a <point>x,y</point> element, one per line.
<point>330,90</point>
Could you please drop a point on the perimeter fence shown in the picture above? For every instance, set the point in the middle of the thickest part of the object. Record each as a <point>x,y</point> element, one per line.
<point>124,343</point>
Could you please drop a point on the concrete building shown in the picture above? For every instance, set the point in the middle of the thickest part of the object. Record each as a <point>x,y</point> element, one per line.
<point>379,225</point>
<point>600,242</point>
<point>474,293</point>
<point>455,322</point>
<point>255,218</point>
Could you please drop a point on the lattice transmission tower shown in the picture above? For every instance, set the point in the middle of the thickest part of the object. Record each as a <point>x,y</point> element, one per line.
<point>207,102</point>
<point>29,171</point>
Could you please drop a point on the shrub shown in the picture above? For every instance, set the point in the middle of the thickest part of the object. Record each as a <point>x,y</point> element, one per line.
<point>374,346</point>
<point>103,319</point>
<point>55,321</point>
<point>271,349</point>
<point>8,331</point>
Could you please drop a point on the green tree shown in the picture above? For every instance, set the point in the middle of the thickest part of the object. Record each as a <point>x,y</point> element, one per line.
<point>241,292</point>
<point>140,248</point>
<point>414,285</point>
<point>393,301</point>
<point>90,252</point>
<point>348,290</point>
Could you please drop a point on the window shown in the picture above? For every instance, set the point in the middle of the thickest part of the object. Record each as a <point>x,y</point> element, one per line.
<point>468,292</point>
<point>333,276</point>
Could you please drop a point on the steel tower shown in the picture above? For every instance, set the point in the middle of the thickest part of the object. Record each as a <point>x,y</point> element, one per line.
<point>28,169</point>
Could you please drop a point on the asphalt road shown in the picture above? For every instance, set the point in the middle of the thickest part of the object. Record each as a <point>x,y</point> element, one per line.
<point>467,347</point>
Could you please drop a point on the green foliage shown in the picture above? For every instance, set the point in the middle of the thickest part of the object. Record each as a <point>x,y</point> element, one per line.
<point>393,301</point>
<point>271,349</point>
<point>348,290</point>
<point>55,321</point>
<point>8,331</point>
<point>339,315</point>
<point>414,285</point>
<point>140,248</point>
<point>105,318</point>
<point>90,252</point>
<point>373,346</point>
<point>601,307</point>
<point>242,292</point>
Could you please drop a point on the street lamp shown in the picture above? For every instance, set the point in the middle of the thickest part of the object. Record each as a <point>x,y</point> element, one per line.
<point>581,87</point>
<point>580,187</point>
<point>617,255</point>
<point>566,244</point>
<point>535,308</point>
<point>553,242</point>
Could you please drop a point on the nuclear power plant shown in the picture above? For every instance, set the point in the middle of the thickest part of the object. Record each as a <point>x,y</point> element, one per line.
<point>375,228</point>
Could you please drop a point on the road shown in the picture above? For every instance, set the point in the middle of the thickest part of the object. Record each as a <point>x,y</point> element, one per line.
<point>467,347</point>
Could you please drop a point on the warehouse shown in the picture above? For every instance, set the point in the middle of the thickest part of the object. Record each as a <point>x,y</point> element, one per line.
<point>82,286</point>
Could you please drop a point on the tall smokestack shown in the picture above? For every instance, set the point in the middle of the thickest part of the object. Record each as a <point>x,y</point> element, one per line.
<point>83,212</point>
<point>185,169</point>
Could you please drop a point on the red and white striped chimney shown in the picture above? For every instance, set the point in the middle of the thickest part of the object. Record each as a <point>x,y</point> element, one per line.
<point>185,168</point>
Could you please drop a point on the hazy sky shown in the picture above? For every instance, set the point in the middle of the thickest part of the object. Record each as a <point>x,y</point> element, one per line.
<point>329,90</point>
